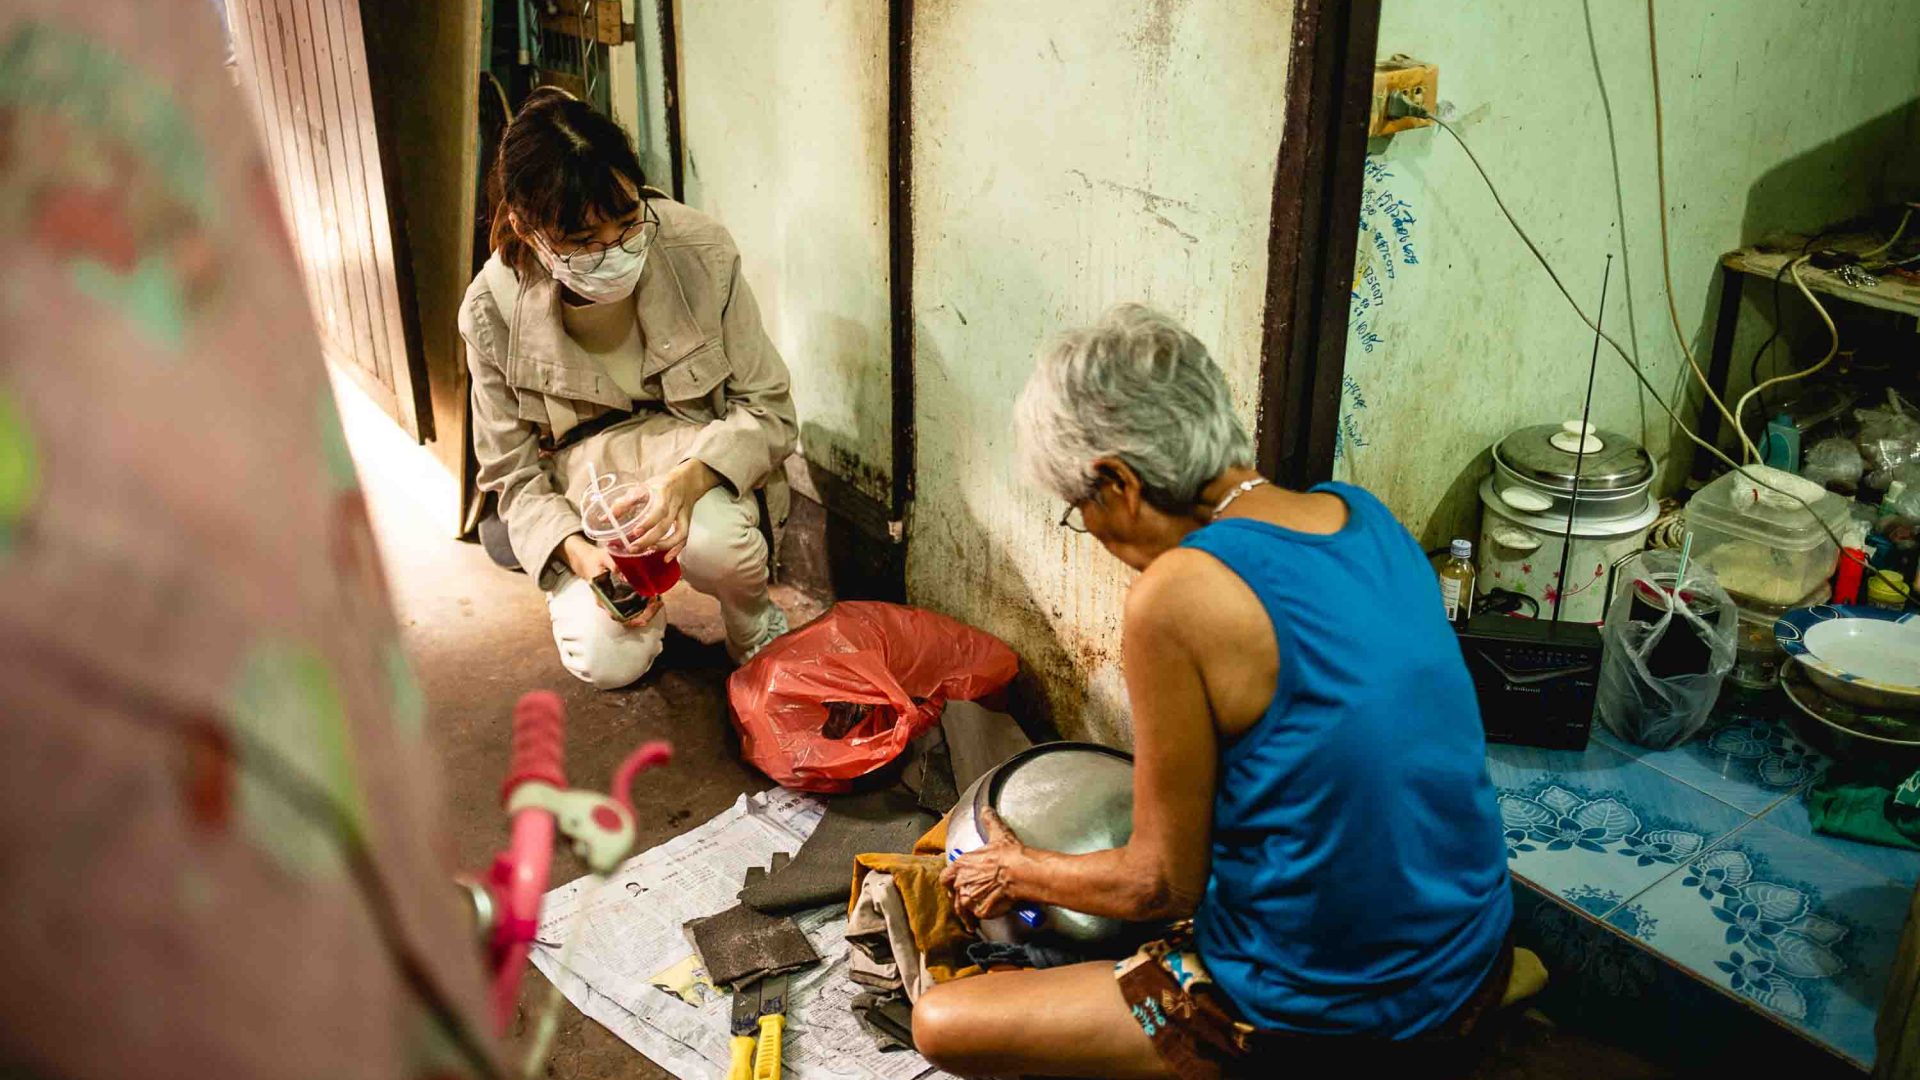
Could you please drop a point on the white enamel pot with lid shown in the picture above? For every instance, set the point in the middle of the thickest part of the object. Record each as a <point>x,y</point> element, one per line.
<point>1527,500</point>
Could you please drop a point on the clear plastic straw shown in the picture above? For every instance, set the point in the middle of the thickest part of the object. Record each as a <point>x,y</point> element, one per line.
<point>596,495</point>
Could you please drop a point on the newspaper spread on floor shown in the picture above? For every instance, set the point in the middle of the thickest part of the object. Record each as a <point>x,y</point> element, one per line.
<point>634,971</point>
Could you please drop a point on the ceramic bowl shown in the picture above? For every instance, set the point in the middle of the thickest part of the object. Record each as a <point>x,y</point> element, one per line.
<point>1843,732</point>
<point>1865,656</point>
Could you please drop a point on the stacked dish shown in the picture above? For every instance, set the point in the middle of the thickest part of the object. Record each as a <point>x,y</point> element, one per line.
<point>1856,672</point>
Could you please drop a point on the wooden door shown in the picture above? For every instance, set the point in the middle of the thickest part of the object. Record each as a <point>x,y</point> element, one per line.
<point>304,63</point>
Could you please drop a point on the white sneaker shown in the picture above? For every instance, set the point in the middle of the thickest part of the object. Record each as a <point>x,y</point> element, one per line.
<point>776,626</point>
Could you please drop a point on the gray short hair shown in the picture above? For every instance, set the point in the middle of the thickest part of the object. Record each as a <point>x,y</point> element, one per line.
<point>1136,386</point>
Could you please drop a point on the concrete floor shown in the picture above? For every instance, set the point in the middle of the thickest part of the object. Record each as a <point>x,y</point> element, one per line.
<point>478,638</point>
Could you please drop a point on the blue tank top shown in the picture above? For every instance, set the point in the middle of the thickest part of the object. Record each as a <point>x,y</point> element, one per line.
<point>1359,879</point>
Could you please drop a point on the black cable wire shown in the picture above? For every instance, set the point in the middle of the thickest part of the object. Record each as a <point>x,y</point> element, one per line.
<point>1508,601</point>
<point>1398,104</point>
<point>1753,366</point>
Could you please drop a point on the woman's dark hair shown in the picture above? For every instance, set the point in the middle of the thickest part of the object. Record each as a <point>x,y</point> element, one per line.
<point>561,166</point>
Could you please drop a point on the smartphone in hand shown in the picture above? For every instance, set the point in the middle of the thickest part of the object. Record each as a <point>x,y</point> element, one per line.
<point>618,597</point>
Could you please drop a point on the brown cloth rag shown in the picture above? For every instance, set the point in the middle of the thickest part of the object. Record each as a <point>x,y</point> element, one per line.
<point>937,932</point>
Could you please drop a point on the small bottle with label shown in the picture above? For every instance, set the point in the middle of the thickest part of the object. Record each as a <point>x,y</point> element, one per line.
<point>1885,590</point>
<point>1456,582</point>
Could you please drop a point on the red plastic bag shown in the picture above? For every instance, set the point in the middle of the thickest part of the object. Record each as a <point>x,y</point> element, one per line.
<point>845,694</point>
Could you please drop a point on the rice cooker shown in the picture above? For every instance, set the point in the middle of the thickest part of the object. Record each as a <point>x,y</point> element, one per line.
<point>1529,497</point>
<point>1063,796</point>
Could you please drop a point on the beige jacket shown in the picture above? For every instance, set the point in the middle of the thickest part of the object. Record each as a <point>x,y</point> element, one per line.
<point>709,362</point>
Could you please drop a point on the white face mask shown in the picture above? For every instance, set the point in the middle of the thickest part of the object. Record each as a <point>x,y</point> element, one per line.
<point>614,279</point>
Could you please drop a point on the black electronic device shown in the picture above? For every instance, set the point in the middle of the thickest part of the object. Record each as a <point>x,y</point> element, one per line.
<point>1539,679</point>
<point>618,598</point>
<point>1536,680</point>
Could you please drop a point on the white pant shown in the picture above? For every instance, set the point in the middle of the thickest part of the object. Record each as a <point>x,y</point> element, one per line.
<point>725,557</point>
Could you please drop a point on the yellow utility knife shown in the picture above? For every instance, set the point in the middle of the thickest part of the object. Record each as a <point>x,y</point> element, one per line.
<point>764,1003</point>
<point>746,1009</point>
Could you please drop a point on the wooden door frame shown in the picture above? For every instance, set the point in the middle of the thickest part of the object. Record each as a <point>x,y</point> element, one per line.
<point>313,59</point>
<point>1311,243</point>
<point>669,26</point>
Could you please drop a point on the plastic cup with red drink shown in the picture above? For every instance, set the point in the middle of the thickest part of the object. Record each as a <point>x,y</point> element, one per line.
<point>611,518</point>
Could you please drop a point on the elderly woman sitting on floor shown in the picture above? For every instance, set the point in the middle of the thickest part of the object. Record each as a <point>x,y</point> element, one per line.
<point>1311,798</point>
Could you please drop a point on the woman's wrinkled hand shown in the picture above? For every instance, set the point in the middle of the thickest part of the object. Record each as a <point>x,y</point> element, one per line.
<point>981,881</point>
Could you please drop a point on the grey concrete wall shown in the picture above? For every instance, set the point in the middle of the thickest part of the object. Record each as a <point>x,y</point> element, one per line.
<point>1067,157</point>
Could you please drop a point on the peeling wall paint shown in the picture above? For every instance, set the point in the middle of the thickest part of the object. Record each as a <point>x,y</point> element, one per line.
<point>1067,157</point>
<point>784,114</point>
<point>639,93</point>
<point>1778,116</point>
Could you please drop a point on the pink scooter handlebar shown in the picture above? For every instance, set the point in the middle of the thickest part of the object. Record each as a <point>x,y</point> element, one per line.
<point>518,878</point>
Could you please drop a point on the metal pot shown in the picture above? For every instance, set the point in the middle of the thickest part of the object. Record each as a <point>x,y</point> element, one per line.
<point>1526,503</point>
<point>1064,796</point>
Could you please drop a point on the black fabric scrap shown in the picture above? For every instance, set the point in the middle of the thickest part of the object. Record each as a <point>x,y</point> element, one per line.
<point>935,787</point>
<point>888,1018</point>
<point>821,872</point>
<point>1000,953</point>
<point>758,874</point>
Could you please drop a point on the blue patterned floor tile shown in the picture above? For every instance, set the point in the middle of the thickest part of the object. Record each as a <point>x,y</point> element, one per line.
<point>1806,934</point>
<point>1746,757</point>
<point>1616,988</point>
<point>1614,742</point>
<point>1900,864</point>
<point>1596,827</point>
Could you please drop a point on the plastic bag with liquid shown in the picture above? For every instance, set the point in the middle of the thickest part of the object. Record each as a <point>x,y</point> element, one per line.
<point>1669,643</point>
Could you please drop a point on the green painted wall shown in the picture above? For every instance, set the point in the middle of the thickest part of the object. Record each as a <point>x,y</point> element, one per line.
<point>784,114</point>
<point>1779,115</point>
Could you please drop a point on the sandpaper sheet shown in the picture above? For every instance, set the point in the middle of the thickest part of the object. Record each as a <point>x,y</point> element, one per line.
<point>741,946</point>
<point>822,870</point>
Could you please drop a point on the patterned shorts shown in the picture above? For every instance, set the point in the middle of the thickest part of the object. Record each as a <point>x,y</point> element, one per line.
<point>1196,1031</point>
<point>1174,1000</point>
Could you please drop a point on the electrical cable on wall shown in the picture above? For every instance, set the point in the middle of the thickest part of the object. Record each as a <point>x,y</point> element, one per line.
<point>1666,254</point>
<point>1833,350</point>
<point>1793,271</point>
<point>1398,104</point>
<point>1792,268</point>
<point>1753,366</point>
<point>493,80</point>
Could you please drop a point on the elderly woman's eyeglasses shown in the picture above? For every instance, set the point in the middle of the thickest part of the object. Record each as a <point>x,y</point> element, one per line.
<point>1073,520</point>
<point>634,239</point>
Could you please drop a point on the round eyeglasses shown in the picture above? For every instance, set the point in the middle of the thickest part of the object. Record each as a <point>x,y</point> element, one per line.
<point>633,240</point>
